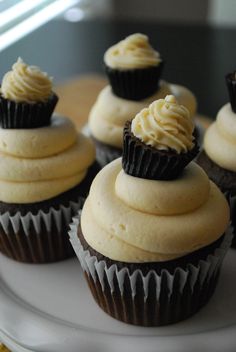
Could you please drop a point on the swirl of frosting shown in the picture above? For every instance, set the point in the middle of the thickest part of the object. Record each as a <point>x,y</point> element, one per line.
<point>39,142</point>
<point>165,124</point>
<point>26,84</point>
<point>50,168</point>
<point>220,139</point>
<point>154,224</point>
<point>110,113</point>
<point>132,52</point>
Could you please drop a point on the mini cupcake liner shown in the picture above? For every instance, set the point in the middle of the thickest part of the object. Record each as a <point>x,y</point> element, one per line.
<point>135,84</point>
<point>25,115</point>
<point>231,85</point>
<point>106,153</point>
<point>40,238</point>
<point>141,160</point>
<point>151,299</point>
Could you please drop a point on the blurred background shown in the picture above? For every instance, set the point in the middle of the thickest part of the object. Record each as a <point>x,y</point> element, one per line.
<point>68,38</point>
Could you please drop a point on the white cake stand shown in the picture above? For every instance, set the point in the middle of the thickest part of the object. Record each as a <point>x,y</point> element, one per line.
<point>48,308</point>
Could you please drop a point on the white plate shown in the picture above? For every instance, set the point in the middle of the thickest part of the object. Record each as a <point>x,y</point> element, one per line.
<point>48,308</point>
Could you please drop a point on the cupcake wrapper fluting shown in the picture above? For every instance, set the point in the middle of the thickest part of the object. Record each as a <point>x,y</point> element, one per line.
<point>106,153</point>
<point>41,238</point>
<point>134,84</point>
<point>231,85</point>
<point>141,160</point>
<point>151,299</point>
<point>25,115</point>
<point>232,203</point>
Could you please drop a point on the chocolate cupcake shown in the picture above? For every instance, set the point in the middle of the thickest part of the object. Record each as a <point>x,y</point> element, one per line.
<point>45,175</point>
<point>133,67</point>
<point>219,156</point>
<point>151,249</point>
<point>26,97</point>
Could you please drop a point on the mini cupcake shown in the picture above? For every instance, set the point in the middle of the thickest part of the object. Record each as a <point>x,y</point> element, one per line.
<point>133,67</point>
<point>45,174</point>
<point>219,156</point>
<point>112,109</point>
<point>26,97</point>
<point>151,245</point>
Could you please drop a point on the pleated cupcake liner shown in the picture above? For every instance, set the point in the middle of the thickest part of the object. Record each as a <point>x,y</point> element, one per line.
<point>232,203</point>
<point>231,85</point>
<point>105,153</point>
<point>152,299</point>
<point>134,84</point>
<point>141,160</point>
<point>40,238</point>
<point>25,115</point>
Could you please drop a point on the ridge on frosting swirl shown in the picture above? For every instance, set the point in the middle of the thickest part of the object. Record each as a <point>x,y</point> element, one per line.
<point>110,113</point>
<point>220,139</point>
<point>153,220</point>
<point>165,125</point>
<point>132,52</point>
<point>26,84</point>
<point>50,168</point>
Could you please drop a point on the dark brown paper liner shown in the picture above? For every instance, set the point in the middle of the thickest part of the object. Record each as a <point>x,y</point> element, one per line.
<point>41,238</point>
<point>149,298</point>
<point>106,153</point>
<point>231,85</point>
<point>141,160</point>
<point>25,115</point>
<point>225,180</point>
<point>134,84</point>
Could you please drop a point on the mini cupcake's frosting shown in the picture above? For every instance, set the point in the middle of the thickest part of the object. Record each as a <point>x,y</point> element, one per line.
<point>220,139</point>
<point>121,222</point>
<point>39,142</point>
<point>164,125</point>
<point>26,84</point>
<point>51,170</point>
<point>131,53</point>
<point>109,113</point>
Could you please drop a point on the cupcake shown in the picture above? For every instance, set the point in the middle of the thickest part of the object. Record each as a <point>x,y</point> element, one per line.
<point>219,156</point>
<point>127,62</point>
<point>150,244</point>
<point>45,174</point>
<point>26,97</point>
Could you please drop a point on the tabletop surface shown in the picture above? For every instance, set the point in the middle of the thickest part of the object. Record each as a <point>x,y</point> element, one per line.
<point>195,56</point>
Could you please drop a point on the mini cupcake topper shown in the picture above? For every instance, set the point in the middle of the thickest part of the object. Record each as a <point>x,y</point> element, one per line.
<point>159,142</point>
<point>231,85</point>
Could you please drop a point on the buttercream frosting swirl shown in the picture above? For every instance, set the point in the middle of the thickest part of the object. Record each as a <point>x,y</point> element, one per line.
<point>132,52</point>
<point>49,168</point>
<point>109,113</point>
<point>164,125</point>
<point>220,139</point>
<point>134,220</point>
<point>26,84</point>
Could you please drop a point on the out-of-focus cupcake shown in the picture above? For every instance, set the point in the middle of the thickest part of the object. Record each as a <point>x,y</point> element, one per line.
<point>219,156</point>
<point>151,248</point>
<point>45,174</point>
<point>112,108</point>
<point>26,97</point>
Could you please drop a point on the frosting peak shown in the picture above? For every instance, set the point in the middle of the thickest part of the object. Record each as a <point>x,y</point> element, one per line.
<point>26,84</point>
<point>132,52</point>
<point>165,124</point>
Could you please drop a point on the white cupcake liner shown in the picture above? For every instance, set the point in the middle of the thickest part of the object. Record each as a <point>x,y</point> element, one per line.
<point>186,290</point>
<point>104,156</point>
<point>38,238</point>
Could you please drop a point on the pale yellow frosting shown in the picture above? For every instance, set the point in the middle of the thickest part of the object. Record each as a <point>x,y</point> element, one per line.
<point>54,166</point>
<point>132,52</point>
<point>39,142</point>
<point>220,139</point>
<point>164,125</point>
<point>26,84</point>
<point>127,230</point>
<point>109,113</point>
